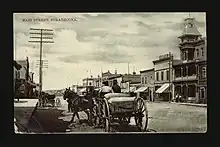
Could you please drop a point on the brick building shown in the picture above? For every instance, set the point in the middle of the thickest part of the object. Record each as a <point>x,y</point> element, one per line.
<point>190,71</point>
<point>163,77</point>
<point>146,89</point>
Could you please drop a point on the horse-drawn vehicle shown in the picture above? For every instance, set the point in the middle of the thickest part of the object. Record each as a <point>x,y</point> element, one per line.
<point>113,107</point>
<point>49,100</point>
<point>119,107</point>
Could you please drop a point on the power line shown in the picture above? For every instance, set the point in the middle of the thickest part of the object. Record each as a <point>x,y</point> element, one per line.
<point>42,35</point>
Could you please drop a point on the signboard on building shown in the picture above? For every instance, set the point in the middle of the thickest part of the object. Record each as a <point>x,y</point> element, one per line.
<point>164,56</point>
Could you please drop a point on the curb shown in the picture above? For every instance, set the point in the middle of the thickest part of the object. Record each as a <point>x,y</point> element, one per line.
<point>190,104</point>
<point>205,106</point>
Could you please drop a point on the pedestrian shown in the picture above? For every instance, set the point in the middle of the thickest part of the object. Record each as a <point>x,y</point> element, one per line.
<point>116,88</point>
<point>105,89</point>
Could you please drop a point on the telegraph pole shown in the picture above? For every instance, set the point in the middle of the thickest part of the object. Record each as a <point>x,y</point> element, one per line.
<point>128,79</point>
<point>170,62</point>
<point>44,65</point>
<point>42,36</point>
<point>101,79</point>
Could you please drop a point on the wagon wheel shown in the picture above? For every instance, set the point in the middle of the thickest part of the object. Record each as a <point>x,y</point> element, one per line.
<point>58,102</point>
<point>96,115</point>
<point>141,116</point>
<point>106,115</point>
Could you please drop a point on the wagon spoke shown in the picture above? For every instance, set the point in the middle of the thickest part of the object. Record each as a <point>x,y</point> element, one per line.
<point>142,104</point>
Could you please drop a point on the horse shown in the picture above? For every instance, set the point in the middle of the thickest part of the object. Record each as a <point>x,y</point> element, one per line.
<point>79,103</point>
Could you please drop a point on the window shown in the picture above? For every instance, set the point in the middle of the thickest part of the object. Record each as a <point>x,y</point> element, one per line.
<point>197,52</point>
<point>168,74</point>
<point>202,49</point>
<point>161,75</point>
<point>157,76</point>
<point>145,80</point>
<point>142,80</point>
<point>203,93</point>
<point>190,25</point>
<point>204,72</point>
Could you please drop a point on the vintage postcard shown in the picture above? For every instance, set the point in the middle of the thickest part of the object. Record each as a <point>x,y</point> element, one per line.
<point>110,72</point>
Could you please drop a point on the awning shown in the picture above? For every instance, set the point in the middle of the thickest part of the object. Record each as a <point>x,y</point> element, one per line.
<point>132,89</point>
<point>141,89</point>
<point>83,90</point>
<point>162,88</point>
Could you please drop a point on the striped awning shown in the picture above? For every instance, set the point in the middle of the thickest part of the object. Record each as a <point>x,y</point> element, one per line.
<point>132,89</point>
<point>141,89</point>
<point>162,88</point>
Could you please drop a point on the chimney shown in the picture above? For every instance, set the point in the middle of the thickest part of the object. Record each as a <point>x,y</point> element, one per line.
<point>115,71</point>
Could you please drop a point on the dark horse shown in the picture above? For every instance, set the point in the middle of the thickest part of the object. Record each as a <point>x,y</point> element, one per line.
<point>79,103</point>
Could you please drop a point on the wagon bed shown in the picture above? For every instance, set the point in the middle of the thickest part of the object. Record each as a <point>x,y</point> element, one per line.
<point>121,107</point>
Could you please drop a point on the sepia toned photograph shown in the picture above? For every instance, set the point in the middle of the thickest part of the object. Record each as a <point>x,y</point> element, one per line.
<point>81,73</point>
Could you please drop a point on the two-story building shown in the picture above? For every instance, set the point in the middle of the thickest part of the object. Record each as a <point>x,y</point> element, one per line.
<point>16,74</point>
<point>124,80</point>
<point>91,81</point>
<point>98,82</point>
<point>24,79</point>
<point>189,78</point>
<point>130,82</point>
<point>202,75</point>
<point>163,77</point>
<point>146,89</point>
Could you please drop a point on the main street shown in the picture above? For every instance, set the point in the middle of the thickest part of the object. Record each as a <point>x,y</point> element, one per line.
<point>163,118</point>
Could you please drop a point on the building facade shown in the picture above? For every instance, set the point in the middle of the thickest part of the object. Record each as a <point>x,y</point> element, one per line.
<point>90,81</point>
<point>163,77</point>
<point>147,81</point>
<point>24,81</point>
<point>190,72</point>
<point>124,80</point>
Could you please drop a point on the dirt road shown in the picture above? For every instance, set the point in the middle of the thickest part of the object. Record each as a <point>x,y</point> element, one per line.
<point>163,117</point>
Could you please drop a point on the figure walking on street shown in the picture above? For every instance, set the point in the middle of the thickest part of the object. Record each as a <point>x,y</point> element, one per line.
<point>116,88</point>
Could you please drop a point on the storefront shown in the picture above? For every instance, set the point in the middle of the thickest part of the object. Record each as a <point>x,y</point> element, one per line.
<point>164,93</point>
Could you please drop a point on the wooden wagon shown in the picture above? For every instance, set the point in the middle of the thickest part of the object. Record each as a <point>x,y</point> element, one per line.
<point>119,107</point>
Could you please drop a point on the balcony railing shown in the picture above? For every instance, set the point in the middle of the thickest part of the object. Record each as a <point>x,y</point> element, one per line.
<point>193,77</point>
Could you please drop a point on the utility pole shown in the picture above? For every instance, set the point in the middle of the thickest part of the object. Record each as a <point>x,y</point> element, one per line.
<point>128,79</point>
<point>101,79</point>
<point>170,70</point>
<point>42,36</point>
<point>44,65</point>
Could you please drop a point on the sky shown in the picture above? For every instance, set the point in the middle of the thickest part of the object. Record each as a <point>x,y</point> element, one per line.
<point>87,43</point>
